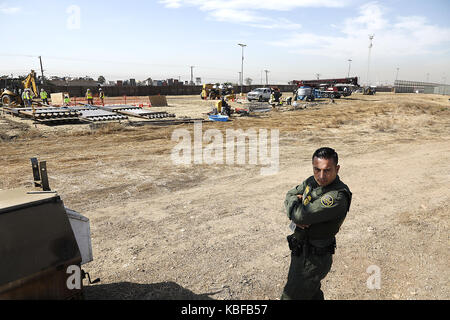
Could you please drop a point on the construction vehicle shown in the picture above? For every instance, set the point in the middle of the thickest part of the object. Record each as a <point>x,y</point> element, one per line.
<point>210,91</point>
<point>217,91</point>
<point>227,91</point>
<point>369,90</point>
<point>9,97</point>
<point>330,88</point>
<point>305,93</point>
<point>43,243</point>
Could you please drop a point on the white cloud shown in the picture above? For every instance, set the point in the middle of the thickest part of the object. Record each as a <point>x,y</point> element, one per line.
<point>406,36</point>
<point>172,3</point>
<point>370,20</point>
<point>4,8</point>
<point>251,19</point>
<point>279,5</point>
<point>232,15</point>
<point>250,12</point>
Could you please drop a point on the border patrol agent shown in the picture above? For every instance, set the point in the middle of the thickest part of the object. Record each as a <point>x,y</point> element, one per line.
<point>318,208</point>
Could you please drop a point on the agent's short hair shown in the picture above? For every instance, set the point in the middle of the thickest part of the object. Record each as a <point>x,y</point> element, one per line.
<point>326,153</point>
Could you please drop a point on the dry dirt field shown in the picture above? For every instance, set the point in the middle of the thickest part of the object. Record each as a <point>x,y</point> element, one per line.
<point>199,231</point>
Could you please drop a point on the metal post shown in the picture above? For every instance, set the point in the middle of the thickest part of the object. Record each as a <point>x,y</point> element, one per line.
<point>267,79</point>
<point>42,70</point>
<point>368,58</point>
<point>349,62</point>
<point>242,65</point>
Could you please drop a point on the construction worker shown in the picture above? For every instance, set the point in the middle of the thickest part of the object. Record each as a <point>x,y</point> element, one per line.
<point>89,98</point>
<point>276,96</point>
<point>44,96</point>
<point>26,97</point>
<point>226,110</point>
<point>66,100</point>
<point>101,95</point>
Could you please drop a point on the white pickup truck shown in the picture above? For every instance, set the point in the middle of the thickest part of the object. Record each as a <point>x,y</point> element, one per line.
<point>260,94</point>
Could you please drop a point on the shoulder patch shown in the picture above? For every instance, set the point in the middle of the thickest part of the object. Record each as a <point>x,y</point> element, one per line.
<point>306,200</point>
<point>327,200</point>
<point>306,191</point>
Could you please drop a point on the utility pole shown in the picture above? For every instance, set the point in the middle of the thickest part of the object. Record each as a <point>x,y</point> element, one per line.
<point>396,76</point>
<point>239,79</point>
<point>349,62</point>
<point>192,75</point>
<point>242,64</point>
<point>42,70</point>
<point>261,77</point>
<point>368,59</point>
<point>267,79</point>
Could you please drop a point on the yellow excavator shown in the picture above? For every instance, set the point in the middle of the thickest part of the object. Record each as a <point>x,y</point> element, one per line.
<point>8,97</point>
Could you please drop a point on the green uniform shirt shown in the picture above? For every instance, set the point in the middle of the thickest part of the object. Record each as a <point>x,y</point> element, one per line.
<point>323,208</point>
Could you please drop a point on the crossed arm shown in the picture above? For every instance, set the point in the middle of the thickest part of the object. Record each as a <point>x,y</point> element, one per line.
<point>315,211</point>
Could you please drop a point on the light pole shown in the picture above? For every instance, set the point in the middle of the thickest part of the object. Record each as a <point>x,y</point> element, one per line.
<point>192,75</point>
<point>242,64</point>
<point>349,62</point>
<point>396,76</point>
<point>42,70</point>
<point>267,79</point>
<point>368,58</point>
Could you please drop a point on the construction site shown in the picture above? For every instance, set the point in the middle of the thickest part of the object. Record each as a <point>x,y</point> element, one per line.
<point>324,183</point>
<point>217,231</point>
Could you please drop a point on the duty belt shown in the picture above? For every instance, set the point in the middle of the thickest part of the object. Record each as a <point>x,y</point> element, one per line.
<point>303,246</point>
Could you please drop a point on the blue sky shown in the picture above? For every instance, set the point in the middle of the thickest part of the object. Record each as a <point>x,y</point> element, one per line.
<point>294,39</point>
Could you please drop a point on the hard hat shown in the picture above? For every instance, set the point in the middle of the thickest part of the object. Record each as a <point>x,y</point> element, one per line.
<point>100,89</point>
<point>42,89</point>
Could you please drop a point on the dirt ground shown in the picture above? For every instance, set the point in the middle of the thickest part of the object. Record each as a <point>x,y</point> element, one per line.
<point>199,231</point>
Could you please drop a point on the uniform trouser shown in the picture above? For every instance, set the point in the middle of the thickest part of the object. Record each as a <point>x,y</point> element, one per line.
<point>305,274</point>
<point>28,102</point>
<point>45,101</point>
<point>90,101</point>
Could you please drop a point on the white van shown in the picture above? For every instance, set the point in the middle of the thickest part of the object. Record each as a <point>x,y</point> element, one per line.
<point>260,94</point>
